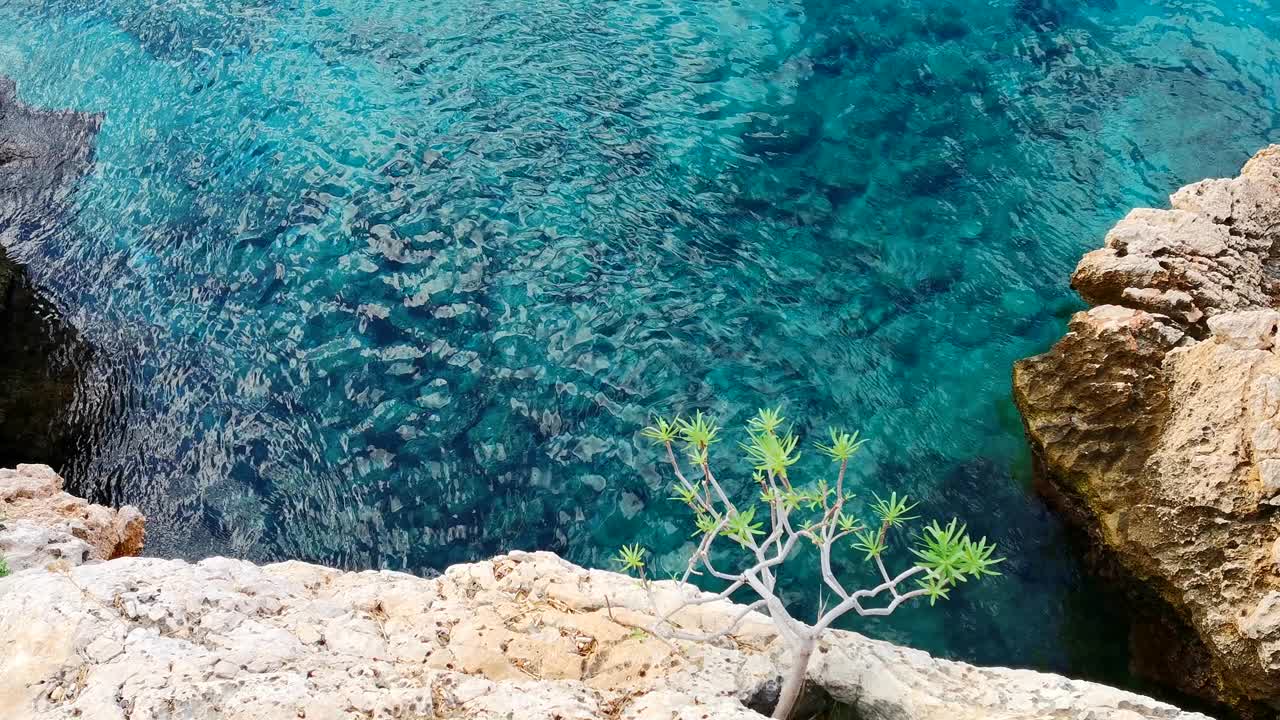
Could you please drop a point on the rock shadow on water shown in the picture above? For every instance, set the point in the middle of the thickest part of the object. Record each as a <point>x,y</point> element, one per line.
<point>45,413</point>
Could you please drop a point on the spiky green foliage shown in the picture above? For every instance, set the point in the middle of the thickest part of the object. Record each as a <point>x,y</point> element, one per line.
<point>772,453</point>
<point>893,512</point>
<point>778,512</point>
<point>742,526</point>
<point>951,557</point>
<point>685,493</point>
<point>870,542</point>
<point>978,558</point>
<point>662,431</point>
<point>843,445</point>
<point>699,432</point>
<point>766,421</point>
<point>4,567</point>
<point>938,550</point>
<point>848,523</point>
<point>706,524</point>
<point>631,558</point>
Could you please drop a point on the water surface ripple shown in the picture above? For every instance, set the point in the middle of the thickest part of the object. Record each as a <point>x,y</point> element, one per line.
<point>394,283</point>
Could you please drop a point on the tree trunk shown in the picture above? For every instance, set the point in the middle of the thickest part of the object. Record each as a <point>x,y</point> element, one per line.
<point>794,681</point>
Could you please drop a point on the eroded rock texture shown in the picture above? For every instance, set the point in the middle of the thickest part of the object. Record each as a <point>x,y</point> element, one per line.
<point>526,636</point>
<point>1156,426</point>
<point>41,525</point>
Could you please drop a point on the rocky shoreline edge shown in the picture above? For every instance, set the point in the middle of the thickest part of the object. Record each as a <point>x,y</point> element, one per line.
<point>90,630</point>
<point>1155,427</point>
<point>525,635</point>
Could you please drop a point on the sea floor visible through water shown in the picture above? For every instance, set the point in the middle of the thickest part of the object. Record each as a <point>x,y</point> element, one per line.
<point>380,283</point>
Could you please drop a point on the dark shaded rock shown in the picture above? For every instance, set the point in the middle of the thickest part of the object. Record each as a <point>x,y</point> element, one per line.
<point>42,154</point>
<point>40,371</point>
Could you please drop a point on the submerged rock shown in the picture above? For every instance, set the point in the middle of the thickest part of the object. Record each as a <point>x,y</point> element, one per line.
<point>1155,424</point>
<point>524,635</point>
<point>42,154</point>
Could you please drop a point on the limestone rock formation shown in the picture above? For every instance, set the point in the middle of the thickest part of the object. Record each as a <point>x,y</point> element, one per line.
<point>525,635</point>
<point>1155,423</point>
<point>41,525</point>
<point>1211,253</point>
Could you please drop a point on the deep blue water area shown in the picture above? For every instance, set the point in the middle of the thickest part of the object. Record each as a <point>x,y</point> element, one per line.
<point>396,283</point>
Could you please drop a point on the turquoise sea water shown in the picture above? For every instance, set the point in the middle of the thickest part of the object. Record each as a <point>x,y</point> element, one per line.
<point>395,283</point>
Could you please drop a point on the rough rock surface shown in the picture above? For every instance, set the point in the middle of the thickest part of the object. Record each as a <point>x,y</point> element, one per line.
<point>1156,426</point>
<point>525,636</point>
<point>1211,253</point>
<point>40,524</point>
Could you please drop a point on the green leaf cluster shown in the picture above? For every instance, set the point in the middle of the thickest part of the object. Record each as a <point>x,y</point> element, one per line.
<point>842,447</point>
<point>870,542</point>
<point>951,557</point>
<point>698,433</point>
<point>946,553</point>
<point>662,431</point>
<point>631,559</point>
<point>893,511</point>
<point>742,526</point>
<point>772,453</point>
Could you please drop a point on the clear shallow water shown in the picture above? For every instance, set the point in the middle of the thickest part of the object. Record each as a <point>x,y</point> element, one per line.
<point>396,284</point>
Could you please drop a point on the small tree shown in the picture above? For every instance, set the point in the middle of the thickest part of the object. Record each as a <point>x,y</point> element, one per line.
<point>945,555</point>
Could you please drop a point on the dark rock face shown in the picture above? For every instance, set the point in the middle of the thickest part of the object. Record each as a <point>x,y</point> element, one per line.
<point>1155,426</point>
<point>40,372</point>
<point>42,154</point>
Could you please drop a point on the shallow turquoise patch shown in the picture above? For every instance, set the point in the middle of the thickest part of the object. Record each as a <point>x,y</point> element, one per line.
<point>396,284</point>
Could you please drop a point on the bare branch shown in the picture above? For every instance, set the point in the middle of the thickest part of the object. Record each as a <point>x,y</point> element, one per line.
<point>828,576</point>
<point>853,602</point>
<point>885,574</point>
<point>897,600</point>
<point>677,634</point>
<point>706,471</point>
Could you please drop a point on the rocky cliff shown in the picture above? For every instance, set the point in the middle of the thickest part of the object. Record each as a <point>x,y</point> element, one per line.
<point>524,635</point>
<point>1155,423</point>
